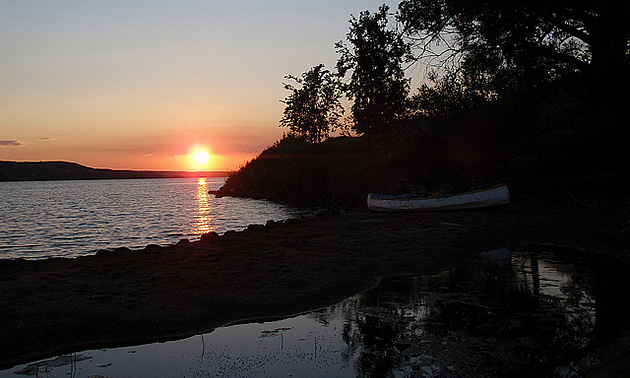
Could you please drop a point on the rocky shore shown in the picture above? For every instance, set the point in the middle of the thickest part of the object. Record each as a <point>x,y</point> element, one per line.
<point>123,297</point>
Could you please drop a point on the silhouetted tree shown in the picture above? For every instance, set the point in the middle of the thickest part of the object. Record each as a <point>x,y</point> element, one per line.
<point>377,85</point>
<point>550,37</point>
<point>313,109</point>
<point>444,97</point>
<point>504,47</point>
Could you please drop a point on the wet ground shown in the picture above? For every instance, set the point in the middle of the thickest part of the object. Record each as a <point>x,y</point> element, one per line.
<point>524,311</point>
<point>125,297</point>
<point>520,311</point>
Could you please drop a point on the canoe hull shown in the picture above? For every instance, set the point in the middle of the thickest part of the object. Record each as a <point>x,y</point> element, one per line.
<point>498,195</point>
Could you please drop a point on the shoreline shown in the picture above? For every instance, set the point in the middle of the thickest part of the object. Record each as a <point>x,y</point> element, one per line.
<point>126,297</point>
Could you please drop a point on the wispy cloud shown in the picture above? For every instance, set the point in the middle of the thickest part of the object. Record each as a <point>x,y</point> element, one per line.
<point>10,143</point>
<point>47,139</point>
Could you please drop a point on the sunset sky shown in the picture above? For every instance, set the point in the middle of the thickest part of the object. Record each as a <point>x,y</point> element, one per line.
<point>148,84</point>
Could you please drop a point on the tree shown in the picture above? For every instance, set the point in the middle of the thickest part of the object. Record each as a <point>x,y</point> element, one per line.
<point>442,97</point>
<point>505,47</point>
<point>548,36</point>
<point>377,85</point>
<point>313,109</point>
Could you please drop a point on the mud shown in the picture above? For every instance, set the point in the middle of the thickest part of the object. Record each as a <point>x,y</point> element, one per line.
<point>123,297</point>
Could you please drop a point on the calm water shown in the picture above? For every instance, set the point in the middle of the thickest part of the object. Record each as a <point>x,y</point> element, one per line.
<point>72,218</point>
<point>510,312</point>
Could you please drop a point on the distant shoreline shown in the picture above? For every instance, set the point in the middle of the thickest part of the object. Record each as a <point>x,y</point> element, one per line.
<point>61,170</point>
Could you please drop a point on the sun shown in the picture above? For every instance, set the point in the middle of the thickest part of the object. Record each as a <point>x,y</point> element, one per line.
<point>199,158</point>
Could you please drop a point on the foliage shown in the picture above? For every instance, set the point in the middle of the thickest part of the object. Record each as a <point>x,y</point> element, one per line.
<point>492,50</point>
<point>442,100</point>
<point>313,109</point>
<point>534,39</point>
<point>293,171</point>
<point>377,84</point>
<point>528,92</point>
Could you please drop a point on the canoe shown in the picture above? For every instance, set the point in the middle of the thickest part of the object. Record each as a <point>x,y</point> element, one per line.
<point>496,195</point>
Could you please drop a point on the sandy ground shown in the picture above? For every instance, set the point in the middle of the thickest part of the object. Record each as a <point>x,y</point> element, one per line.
<point>124,297</point>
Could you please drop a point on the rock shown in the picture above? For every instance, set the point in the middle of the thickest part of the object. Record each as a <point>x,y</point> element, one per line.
<point>210,236</point>
<point>255,227</point>
<point>152,246</point>
<point>109,252</point>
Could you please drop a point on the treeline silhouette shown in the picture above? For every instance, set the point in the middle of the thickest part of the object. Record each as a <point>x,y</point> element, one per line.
<point>61,170</point>
<point>533,92</point>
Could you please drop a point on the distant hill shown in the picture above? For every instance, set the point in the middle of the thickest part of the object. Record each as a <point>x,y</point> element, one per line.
<point>60,170</point>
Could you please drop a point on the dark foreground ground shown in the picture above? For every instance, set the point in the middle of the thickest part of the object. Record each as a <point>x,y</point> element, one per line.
<point>124,297</point>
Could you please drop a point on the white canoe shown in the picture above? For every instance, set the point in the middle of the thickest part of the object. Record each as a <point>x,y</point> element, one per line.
<point>497,195</point>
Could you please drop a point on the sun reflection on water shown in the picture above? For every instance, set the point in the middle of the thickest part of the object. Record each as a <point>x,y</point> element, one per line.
<point>203,218</point>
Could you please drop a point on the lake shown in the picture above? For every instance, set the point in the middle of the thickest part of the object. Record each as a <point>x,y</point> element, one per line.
<point>40,219</point>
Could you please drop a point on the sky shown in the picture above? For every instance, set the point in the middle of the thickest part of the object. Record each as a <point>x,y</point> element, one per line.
<point>147,84</point>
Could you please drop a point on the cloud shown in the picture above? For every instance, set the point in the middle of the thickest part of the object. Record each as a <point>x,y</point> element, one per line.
<point>47,139</point>
<point>10,143</point>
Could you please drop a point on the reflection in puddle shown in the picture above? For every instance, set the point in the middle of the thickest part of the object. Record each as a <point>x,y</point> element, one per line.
<point>505,313</point>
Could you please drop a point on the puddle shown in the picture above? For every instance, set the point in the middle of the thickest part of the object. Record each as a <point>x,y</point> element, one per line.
<point>509,312</point>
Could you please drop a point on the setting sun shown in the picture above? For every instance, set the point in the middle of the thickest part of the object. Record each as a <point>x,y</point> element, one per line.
<point>199,158</point>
